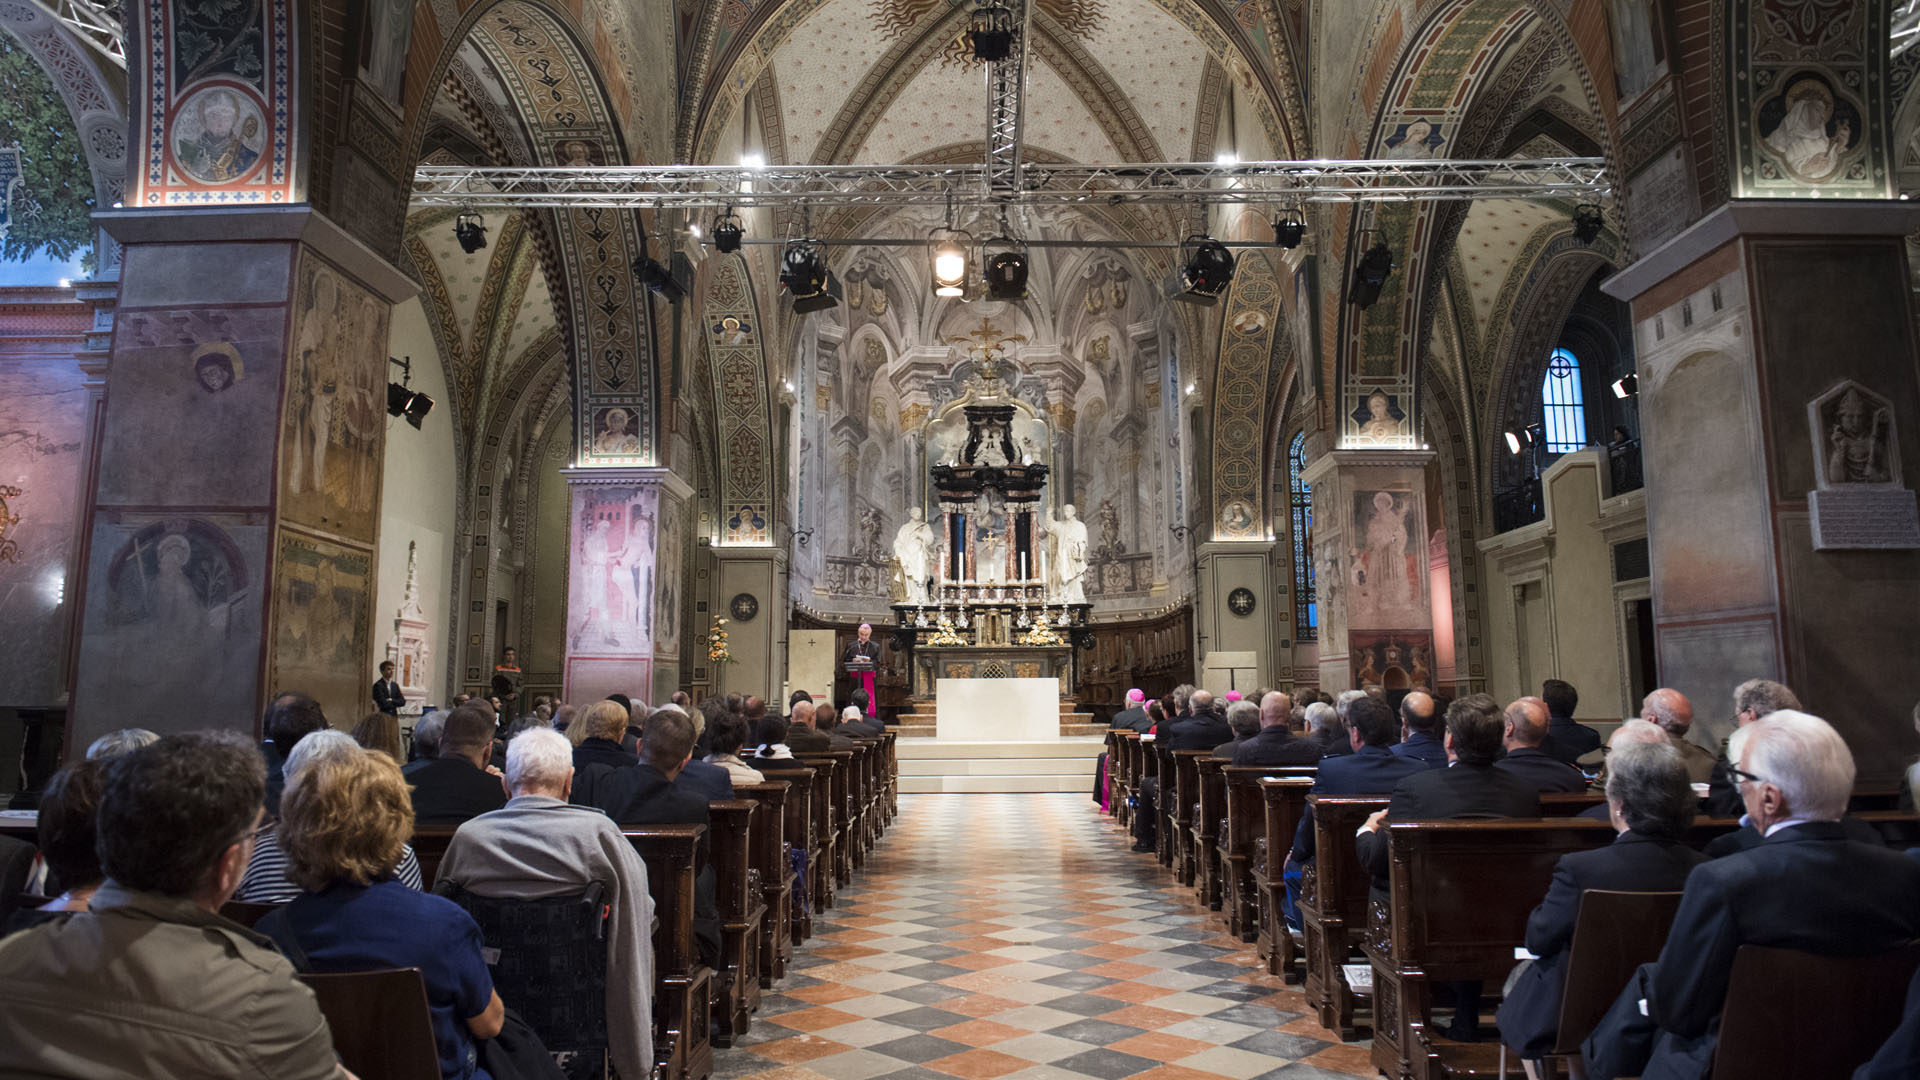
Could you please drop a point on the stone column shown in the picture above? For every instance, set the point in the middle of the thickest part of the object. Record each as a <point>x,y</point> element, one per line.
<point>234,515</point>
<point>1780,430</point>
<point>1370,568</point>
<point>615,586</point>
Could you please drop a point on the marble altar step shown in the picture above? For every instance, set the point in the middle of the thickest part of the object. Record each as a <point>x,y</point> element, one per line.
<point>920,724</point>
<point>929,765</point>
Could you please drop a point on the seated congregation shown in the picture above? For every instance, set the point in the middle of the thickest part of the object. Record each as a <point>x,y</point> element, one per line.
<point>605,891</point>
<point>1498,891</point>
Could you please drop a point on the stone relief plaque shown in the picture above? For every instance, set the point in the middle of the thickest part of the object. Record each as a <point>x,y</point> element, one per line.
<point>1859,503</point>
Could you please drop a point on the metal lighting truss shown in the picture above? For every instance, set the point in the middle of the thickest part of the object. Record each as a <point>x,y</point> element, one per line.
<point>92,22</point>
<point>691,187</point>
<point>1006,112</point>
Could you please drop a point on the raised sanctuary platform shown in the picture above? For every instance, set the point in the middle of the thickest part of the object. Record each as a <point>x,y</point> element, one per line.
<point>936,765</point>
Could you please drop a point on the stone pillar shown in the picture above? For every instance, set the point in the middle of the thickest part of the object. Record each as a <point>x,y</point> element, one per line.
<point>1238,613</point>
<point>615,591</point>
<point>1370,568</point>
<point>1779,392</point>
<point>231,534</point>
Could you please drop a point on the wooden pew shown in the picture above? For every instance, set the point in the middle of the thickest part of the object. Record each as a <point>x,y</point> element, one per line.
<point>1243,834</point>
<point>1333,904</point>
<point>1211,790</point>
<point>683,987</point>
<point>743,912</point>
<point>1112,742</point>
<point>1283,801</point>
<point>1163,827</point>
<point>1131,755</point>
<point>1181,797</point>
<point>429,847</point>
<point>774,871</point>
<point>838,820</point>
<point>1569,804</point>
<point>823,841</point>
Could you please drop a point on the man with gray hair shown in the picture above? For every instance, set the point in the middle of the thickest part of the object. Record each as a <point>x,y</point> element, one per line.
<point>1243,717</point>
<point>1674,713</point>
<point>426,741</point>
<point>538,846</point>
<point>1650,805</point>
<point>1806,885</point>
<point>1205,729</point>
<point>1755,699</point>
<point>1327,729</point>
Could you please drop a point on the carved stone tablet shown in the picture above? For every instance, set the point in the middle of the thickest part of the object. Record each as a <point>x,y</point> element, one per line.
<point>1864,516</point>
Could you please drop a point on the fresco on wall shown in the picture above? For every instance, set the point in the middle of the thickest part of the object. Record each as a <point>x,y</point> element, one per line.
<point>323,594</point>
<point>383,47</point>
<point>668,592</point>
<point>1380,421</point>
<point>335,419</point>
<point>43,414</point>
<point>1802,77</point>
<point>1392,659</point>
<point>611,578</point>
<point>1386,573</point>
<point>173,618</point>
<point>217,124</point>
<point>196,381</point>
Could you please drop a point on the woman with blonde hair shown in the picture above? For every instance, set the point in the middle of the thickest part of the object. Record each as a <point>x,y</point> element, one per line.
<point>380,731</point>
<point>344,821</point>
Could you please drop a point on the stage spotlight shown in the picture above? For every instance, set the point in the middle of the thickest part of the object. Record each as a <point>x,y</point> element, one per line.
<point>804,274</point>
<point>1205,270</point>
<point>1289,229</point>
<point>658,278</point>
<point>1534,434</point>
<point>471,230</point>
<point>411,404</point>
<point>727,232</point>
<point>1537,433</point>
<point>1005,272</point>
<point>1587,222</point>
<point>947,256</point>
<point>1513,442</point>
<point>1372,273</point>
<point>990,33</point>
<point>1626,386</point>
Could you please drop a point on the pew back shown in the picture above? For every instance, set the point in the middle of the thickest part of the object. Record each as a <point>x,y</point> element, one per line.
<point>1791,1013</point>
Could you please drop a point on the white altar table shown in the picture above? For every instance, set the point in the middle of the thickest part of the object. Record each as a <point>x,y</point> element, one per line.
<point>997,710</point>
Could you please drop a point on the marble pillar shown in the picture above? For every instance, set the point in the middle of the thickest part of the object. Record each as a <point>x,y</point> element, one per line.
<point>1755,330</point>
<point>616,582</point>
<point>234,514</point>
<point>1371,564</point>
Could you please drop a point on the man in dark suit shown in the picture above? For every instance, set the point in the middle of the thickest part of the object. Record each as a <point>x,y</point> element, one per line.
<point>1134,716</point>
<point>606,727</point>
<point>387,697</point>
<point>1566,740</point>
<point>1243,719</point>
<point>291,716</point>
<point>1204,730</point>
<point>1276,744</point>
<point>868,726</point>
<point>801,736</point>
<point>702,778</point>
<point>1651,804</point>
<point>1898,1057</point>
<point>457,786</point>
<point>1420,729</point>
<point>648,795</point>
<point>1806,886</point>
<point>1526,729</point>
<point>1755,699</point>
<point>1469,787</point>
<point>1372,769</point>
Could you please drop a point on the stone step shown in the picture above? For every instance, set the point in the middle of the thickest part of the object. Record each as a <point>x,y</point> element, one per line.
<point>951,766</point>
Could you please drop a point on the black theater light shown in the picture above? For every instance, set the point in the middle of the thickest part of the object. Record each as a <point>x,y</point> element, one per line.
<point>1289,228</point>
<point>471,230</point>
<point>1587,222</point>
<point>656,276</point>
<point>1205,270</point>
<point>1372,273</point>
<point>401,401</point>
<point>1626,386</point>
<point>990,33</point>
<point>1005,269</point>
<point>727,232</point>
<point>804,274</point>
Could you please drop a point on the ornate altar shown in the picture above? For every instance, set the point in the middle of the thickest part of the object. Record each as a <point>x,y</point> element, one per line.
<point>994,587</point>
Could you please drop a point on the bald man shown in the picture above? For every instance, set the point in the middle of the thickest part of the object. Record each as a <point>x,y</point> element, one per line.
<point>1525,729</point>
<point>1204,730</point>
<point>1420,726</point>
<point>1673,713</point>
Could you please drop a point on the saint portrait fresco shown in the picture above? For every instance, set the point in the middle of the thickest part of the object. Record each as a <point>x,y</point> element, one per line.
<point>1808,129</point>
<point>218,135</point>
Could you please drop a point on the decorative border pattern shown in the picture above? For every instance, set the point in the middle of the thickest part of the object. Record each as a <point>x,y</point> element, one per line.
<point>743,425</point>
<point>1240,386</point>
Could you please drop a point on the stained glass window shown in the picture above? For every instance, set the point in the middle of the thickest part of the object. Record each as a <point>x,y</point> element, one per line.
<point>1306,613</point>
<point>1563,403</point>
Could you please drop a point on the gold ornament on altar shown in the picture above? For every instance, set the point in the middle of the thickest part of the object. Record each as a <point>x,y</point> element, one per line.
<point>717,651</point>
<point>1042,633</point>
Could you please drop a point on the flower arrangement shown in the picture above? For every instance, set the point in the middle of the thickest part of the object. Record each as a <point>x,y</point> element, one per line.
<point>717,651</point>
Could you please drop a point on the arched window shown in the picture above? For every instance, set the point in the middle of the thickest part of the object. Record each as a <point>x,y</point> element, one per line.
<point>1306,613</point>
<point>1563,404</point>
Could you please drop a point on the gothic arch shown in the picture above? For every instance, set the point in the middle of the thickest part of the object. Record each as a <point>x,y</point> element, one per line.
<point>97,104</point>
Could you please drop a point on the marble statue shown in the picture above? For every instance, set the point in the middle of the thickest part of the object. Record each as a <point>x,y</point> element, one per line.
<point>1067,569</point>
<point>913,546</point>
<point>1857,451</point>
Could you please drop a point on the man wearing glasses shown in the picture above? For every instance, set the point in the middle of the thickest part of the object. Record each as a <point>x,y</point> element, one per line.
<point>1805,885</point>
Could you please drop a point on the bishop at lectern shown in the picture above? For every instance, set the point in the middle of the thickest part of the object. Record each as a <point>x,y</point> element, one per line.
<point>861,661</point>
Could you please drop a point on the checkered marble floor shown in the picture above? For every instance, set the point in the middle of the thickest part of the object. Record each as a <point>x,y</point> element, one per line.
<point>1012,937</point>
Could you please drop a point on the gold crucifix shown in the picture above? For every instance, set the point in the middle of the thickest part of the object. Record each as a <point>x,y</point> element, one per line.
<point>987,339</point>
